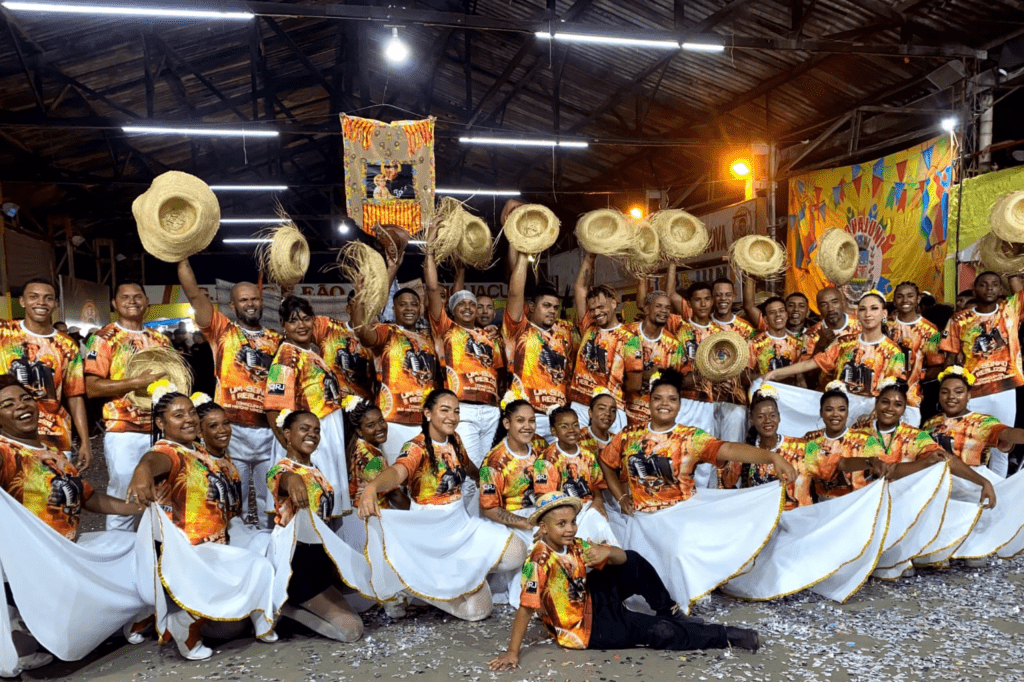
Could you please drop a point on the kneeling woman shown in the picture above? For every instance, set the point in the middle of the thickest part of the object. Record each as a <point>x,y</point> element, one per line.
<point>976,439</point>
<point>823,480</point>
<point>436,551</point>
<point>40,514</point>
<point>764,434</point>
<point>199,494</point>
<point>696,541</point>
<point>315,596</point>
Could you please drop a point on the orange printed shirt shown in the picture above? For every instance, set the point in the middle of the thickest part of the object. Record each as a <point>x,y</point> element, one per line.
<point>202,493</point>
<point>659,466</point>
<point>690,334</point>
<point>321,494</point>
<point>351,362</point>
<point>664,352</point>
<point>592,443</point>
<point>106,354</point>
<point>769,352</point>
<point>437,483</point>
<point>907,444</point>
<point>969,436</point>
<point>812,334</point>
<point>990,344</point>
<point>579,475</point>
<point>301,380</point>
<point>408,367</point>
<point>920,343</point>
<point>540,361</point>
<point>50,367</point>
<point>46,483</point>
<point>365,464</point>
<point>242,360</point>
<point>471,361</point>
<point>512,481</point>
<point>822,455</point>
<point>604,358</point>
<point>861,365</point>
<point>736,324</point>
<point>792,450</point>
<point>556,585</point>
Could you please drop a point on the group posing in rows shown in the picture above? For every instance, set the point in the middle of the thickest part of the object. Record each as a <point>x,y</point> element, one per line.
<point>559,467</point>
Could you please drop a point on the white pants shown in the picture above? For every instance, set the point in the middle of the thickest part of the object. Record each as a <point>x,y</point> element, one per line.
<point>1002,406</point>
<point>730,422</point>
<point>583,412</point>
<point>398,436</point>
<point>477,424</point>
<point>544,427</point>
<point>123,452</point>
<point>250,449</point>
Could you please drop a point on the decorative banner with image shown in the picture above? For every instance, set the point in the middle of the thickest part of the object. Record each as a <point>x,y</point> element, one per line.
<point>389,172</point>
<point>896,207</point>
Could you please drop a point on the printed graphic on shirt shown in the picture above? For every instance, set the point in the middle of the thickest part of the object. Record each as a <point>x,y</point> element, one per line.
<point>243,362</point>
<point>350,361</point>
<point>513,483</point>
<point>408,368</point>
<point>919,342</point>
<point>768,352</point>
<point>300,380</point>
<point>579,475</point>
<point>539,360</point>
<point>366,463</point>
<point>438,481</point>
<point>604,358</point>
<point>665,352</point>
<point>319,490</point>
<point>821,461</point>
<point>969,436</point>
<point>990,345</point>
<point>905,444</point>
<point>202,492</point>
<point>472,360</point>
<point>556,585</point>
<point>860,365</point>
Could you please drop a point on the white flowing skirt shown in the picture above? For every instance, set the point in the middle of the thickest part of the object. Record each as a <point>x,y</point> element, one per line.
<point>72,596</point>
<point>799,408</point>
<point>918,504</point>
<point>830,548</point>
<point>218,582</point>
<point>999,531</point>
<point>592,526</point>
<point>703,542</point>
<point>329,458</point>
<point>435,552</point>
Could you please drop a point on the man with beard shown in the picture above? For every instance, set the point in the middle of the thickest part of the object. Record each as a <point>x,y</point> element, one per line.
<point>797,308</point>
<point>661,350</point>
<point>775,347</point>
<point>242,354</point>
<point>49,365</point>
<point>835,322</point>
<point>126,427</point>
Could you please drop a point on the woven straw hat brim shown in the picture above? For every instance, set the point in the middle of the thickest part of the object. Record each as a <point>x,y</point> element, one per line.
<point>1007,217</point>
<point>358,260</point>
<point>287,259</point>
<point>158,359</point>
<point>532,228</point>
<point>837,255</point>
<point>177,216</point>
<point>722,356</point>
<point>646,252</point>
<point>475,247</point>
<point>681,234</point>
<point>568,501</point>
<point>606,232</point>
<point>758,256</point>
<point>1000,256</point>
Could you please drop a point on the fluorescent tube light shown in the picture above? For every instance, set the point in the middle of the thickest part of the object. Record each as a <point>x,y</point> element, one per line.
<point>201,132</point>
<point>247,240</point>
<point>249,188</point>
<point>522,142</point>
<point>488,192</point>
<point>121,11</point>
<point>703,47</point>
<point>253,221</point>
<point>608,40</point>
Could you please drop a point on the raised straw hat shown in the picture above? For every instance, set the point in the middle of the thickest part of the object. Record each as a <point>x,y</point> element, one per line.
<point>837,255</point>
<point>157,359</point>
<point>286,258</point>
<point>758,256</point>
<point>452,218</point>
<point>646,252</point>
<point>1000,256</point>
<point>1007,217</point>
<point>531,228</point>
<point>177,216</point>
<point>681,235</point>
<point>359,261</point>
<point>606,232</point>
<point>722,356</point>
<point>475,247</point>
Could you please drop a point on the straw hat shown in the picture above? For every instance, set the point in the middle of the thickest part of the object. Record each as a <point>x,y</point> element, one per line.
<point>837,255</point>
<point>722,356</point>
<point>606,232</point>
<point>286,259</point>
<point>758,256</point>
<point>476,244</point>
<point>531,228</point>
<point>157,359</point>
<point>682,235</point>
<point>452,218</point>
<point>646,252</point>
<point>551,501</point>
<point>1000,256</point>
<point>359,261</point>
<point>1007,217</point>
<point>393,238</point>
<point>177,216</point>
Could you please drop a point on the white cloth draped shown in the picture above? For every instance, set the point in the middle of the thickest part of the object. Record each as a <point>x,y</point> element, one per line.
<point>1000,530</point>
<point>329,458</point>
<point>697,413</point>
<point>436,552</point>
<point>72,596</point>
<point>592,526</point>
<point>918,504</point>
<point>830,547</point>
<point>701,543</point>
<point>799,408</point>
<point>218,582</point>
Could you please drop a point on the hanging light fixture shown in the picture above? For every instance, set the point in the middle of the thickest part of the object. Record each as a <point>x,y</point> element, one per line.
<point>396,51</point>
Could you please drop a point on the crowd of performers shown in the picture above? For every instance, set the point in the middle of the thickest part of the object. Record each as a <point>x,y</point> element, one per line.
<point>562,467</point>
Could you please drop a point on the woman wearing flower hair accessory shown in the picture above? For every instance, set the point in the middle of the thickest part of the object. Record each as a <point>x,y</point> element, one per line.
<point>764,434</point>
<point>826,447</point>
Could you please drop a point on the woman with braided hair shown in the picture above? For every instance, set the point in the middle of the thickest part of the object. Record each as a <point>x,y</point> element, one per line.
<point>435,551</point>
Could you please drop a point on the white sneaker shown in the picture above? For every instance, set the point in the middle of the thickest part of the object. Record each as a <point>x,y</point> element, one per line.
<point>909,573</point>
<point>179,624</point>
<point>135,631</point>
<point>395,609</point>
<point>981,562</point>
<point>36,660</point>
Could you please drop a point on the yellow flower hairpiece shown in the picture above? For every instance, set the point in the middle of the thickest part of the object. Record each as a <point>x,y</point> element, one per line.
<point>654,377</point>
<point>957,371</point>
<point>835,385</point>
<point>507,399</point>
<point>887,382</point>
<point>873,292</point>
<point>427,391</point>
<point>601,390</point>
<point>766,391</point>
<point>281,416</point>
<point>159,388</point>
<point>199,398</point>
<point>351,402</point>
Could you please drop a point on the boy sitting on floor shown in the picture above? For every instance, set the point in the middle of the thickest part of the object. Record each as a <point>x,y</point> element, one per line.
<point>586,611</point>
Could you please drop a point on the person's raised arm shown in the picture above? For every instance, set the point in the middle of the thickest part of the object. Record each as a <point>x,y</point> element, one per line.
<point>98,387</point>
<point>672,286</point>
<point>517,287</point>
<point>460,276</point>
<point>584,280</point>
<point>435,301</point>
<point>753,313</point>
<point>197,298</point>
<point>366,333</point>
<point>1016,282</point>
<point>741,452</point>
<point>641,293</point>
<point>510,659</point>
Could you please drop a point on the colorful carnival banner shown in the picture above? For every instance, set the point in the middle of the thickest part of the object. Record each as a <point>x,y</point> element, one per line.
<point>389,172</point>
<point>897,209</point>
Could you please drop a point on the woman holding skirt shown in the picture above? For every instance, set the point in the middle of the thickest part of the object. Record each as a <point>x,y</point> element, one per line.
<point>435,550</point>
<point>696,540</point>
